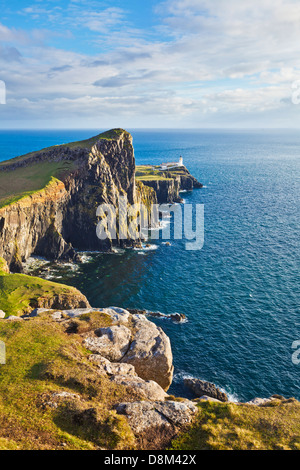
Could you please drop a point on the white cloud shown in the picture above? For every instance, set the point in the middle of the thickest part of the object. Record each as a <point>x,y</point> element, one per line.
<point>218,58</point>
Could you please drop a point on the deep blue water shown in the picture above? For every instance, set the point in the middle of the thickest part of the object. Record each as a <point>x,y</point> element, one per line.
<point>241,291</point>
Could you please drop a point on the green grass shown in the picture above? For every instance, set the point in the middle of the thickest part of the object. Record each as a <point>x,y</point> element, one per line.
<point>41,358</point>
<point>88,143</point>
<point>27,180</point>
<point>243,427</point>
<point>147,173</point>
<point>108,135</point>
<point>20,293</point>
<point>150,173</point>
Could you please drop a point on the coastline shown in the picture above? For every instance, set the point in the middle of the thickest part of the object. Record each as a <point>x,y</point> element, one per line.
<point>172,408</point>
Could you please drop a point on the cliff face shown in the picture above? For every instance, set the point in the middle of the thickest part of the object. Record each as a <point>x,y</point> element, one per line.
<point>168,184</point>
<point>61,216</point>
<point>166,190</point>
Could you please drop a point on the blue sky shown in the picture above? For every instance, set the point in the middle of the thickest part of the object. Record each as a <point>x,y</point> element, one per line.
<point>172,63</point>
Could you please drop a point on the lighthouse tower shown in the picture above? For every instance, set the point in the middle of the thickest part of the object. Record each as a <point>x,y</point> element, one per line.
<point>180,161</point>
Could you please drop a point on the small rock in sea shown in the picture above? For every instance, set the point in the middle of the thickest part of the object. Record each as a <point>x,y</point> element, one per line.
<point>168,244</point>
<point>178,317</point>
<point>135,311</point>
<point>200,388</point>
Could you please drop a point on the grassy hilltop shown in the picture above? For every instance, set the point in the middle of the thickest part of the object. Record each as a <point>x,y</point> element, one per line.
<point>26,180</point>
<point>150,173</point>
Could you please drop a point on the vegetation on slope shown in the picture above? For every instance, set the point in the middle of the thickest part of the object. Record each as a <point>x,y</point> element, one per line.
<point>275,426</point>
<point>46,357</point>
<point>20,294</point>
<point>26,180</point>
<point>88,143</point>
<point>149,173</point>
<point>43,357</point>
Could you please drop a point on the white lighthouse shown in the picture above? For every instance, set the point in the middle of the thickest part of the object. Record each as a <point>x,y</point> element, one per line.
<point>171,165</point>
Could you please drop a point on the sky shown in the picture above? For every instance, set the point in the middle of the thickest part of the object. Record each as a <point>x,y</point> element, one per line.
<point>153,64</point>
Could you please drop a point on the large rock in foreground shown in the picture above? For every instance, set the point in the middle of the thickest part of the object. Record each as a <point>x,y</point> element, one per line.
<point>145,415</point>
<point>112,342</point>
<point>150,352</point>
<point>130,340</point>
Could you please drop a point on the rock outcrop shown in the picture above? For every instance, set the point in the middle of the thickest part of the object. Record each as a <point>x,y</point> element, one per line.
<point>150,352</point>
<point>112,342</point>
<point>201,388</point>
<point>124,374</point>
<point>169,184</point>
<point>176,317</point>
<point>53,221</point>
<point>145,415</point>
<point>132,349</point>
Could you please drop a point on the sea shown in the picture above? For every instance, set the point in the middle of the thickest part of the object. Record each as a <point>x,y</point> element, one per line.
<point>240,292</point>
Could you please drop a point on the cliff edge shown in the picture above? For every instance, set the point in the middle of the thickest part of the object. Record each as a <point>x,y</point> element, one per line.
<point>167,184</point>
<point>49,198</point>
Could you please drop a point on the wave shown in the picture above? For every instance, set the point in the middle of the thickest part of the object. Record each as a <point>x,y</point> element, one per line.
<point>180,376</point>
<point>147,247</point>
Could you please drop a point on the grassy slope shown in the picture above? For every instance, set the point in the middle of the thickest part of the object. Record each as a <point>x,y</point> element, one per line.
<point>19,293</point>
<point>149,173</point>
<point>41,358</point>
<point>244,427</point>
<point>27,180</point>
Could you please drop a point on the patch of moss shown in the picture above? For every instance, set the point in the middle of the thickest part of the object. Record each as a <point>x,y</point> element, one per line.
<point>243,427</point>
<point>3,266</point>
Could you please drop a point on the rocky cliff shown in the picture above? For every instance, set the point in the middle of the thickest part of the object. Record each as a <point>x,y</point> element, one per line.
<point>168,184</point>
<point>49,198</point>
<point>97,379</point>
<point>62,215</point>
